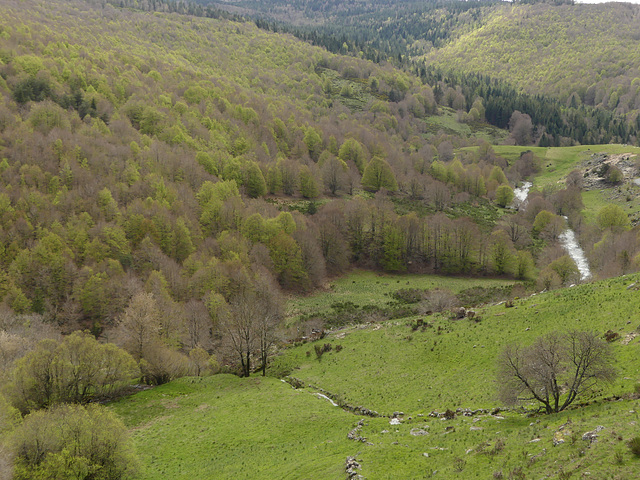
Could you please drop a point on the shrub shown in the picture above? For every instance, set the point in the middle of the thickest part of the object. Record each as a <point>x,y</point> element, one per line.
<point>634,446</point>
<point>72,441</point>
<point>610,335</point>
<point>322,349</point>
<point>458,464</point>
<point>76,370</point>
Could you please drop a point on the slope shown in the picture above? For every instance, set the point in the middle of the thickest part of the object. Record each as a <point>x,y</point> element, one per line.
<point>591,50</point>
<point>391,367</point>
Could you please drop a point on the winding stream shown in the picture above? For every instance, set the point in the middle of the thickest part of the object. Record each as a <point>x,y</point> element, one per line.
<point>567,238</point>
<point>570,244</point>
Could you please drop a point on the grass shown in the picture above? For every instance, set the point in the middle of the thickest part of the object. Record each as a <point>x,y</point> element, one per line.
<point>371,288</point>
<point>451,364</point>
<point>557,162</point>
<point>224,427</point>
<point>447,122</point>
<point>227,427</point>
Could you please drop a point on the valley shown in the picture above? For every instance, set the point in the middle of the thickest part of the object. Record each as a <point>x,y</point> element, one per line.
<point>318,240</point>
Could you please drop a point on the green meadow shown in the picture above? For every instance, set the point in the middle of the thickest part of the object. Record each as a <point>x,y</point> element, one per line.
<point>365,288</point>
<point>228,427</point>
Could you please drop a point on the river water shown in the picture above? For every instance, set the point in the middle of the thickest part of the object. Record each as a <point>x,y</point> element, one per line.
<point>571,245</point>
<point>567,238</point>
<point>521,193</point>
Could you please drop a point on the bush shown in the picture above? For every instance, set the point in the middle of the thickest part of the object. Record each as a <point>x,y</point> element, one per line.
<point>408,295</point>
<point>321,349</point>
<point>634,446</point>
<point>610,335</point>
<point>72,441</point>
<point>78,369</point>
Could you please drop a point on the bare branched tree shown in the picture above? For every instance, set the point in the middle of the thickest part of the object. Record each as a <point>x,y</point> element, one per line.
<point>554,371</point>
<point>249,322</point>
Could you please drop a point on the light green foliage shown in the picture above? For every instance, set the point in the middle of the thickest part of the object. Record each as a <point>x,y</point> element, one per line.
<point>378,175</point>
<point>287,261</point>
<point>614,217</point>
<point>29,64</point>
<point>107,204</point>
<point>517,44</point>
<point>254,182</point>
<point>543,218</point>
<point>353,151</point>
<point>76,370</point>
<point>565,268</point>
<point>46,116</point>
<point>504,195</point>
<point>393,250</point>
<point>498,176</point>
<point>309,186</point>
<point>76,442</point>
<point>501,252</point>
<point>313,141</point>
<point>207,162</point>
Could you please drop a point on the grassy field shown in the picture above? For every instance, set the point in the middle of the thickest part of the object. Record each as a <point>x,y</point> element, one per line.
<point>447,122</point>
<point>451,364</point>
<point>371,288</point>
<point>557,162</point>
<point>227,427</point>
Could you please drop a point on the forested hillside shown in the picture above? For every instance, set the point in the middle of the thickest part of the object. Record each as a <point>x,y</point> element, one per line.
<point>166,153</point>
<point>161,162</point>
<point>169,173</point>
<point>579,55</point>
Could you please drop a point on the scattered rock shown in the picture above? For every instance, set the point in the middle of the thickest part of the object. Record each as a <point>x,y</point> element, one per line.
<point>561,434</point>
<point>558,439</point>
<point>534,440</point>
<point>394,421</point>
<point>355,433</point>
<point>460,313</point>
<point>592,436</point>
<point>416,432</point>
<point>425,454</point>
<point>351,467</point>
<point>474,428</point>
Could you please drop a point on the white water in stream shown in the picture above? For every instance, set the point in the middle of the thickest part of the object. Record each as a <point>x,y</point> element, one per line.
<point>521,193</point>
<point>567,238</point>
<point>570,244</point>
<point>319,395</point>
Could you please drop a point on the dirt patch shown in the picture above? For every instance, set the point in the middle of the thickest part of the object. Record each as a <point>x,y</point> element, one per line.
<point>150,423</point>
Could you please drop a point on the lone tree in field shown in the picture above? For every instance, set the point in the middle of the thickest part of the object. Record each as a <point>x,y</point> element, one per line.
<point>555,371</point>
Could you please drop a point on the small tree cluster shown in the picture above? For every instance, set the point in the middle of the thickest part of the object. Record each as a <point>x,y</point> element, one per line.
<point>73,441</point>
<point>78,369</point>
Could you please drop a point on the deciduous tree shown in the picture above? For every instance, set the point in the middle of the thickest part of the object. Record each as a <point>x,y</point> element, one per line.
<point>555,370</point>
